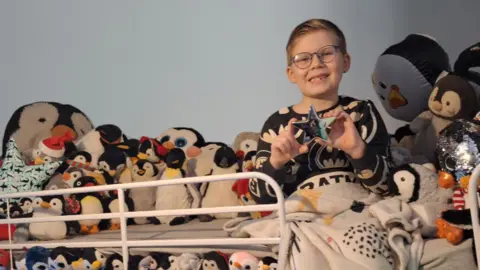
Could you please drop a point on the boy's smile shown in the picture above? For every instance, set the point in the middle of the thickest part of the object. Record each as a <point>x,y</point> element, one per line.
<point>319,79</point>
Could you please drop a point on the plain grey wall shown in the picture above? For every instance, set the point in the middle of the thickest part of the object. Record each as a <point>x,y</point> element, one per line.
<point>217,66</point>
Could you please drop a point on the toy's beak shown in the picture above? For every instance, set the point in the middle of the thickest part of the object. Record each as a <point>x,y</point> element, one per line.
<point>395,99</point>
<point>168,145</point>
<point>45,205</point>
<point>39,161</point>
<point>265,267</point>
<point>237,265</point>
<point>445,180</point>
<point>96,265</point>
<point>66,176</point>
<point>141,172</point>
<point>142,156</point>
<point>77,264</point>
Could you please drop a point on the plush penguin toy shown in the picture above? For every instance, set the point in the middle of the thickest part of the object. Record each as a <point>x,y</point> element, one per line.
<point>245,142</point>
<point>153,261</point>
<point>203,163</point>
<point>151,150</point>
<point>61,258</point>
<point>268,263</point>
<point>418,185</point>
<point>48,207</point>
<point>53,149</point>
<point>90,258</point>
<point>175,196</point>
<point>115,262</point>
<point>187,139</point>
<point>4,259</point>
<point>225,162</point>
<point>85,204</point>
<point>405,73</point>
<point>242,260</point>
<point>98,139</point>
<point>31,123</point>
<point>37,258</point>
<point>111,205</point>
<point>143,198</point>
<point>454,96</point>
<point>214,261</point>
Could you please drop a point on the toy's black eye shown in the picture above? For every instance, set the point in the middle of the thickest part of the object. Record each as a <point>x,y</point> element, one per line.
<point>180,142</point>
<point>402,179</point>
<point>382,85</point>
<point>448,103</point>
<point>42,120</point>
<point>165,138</point>
<point>231,262</point>
<point>247,267</point>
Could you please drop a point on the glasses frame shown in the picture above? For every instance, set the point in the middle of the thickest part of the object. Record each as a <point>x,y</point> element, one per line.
<point>317,53</point>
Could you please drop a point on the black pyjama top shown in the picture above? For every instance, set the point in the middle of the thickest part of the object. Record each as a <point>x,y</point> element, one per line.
<point>370,170</point>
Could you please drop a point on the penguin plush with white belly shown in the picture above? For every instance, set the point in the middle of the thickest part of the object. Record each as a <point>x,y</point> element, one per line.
<point>96,140</point>
<point>219,193</point>
<point>36,258</point>
<point>111,205</point>
<point>214,260</point>
<point>87,203</point>
<point>91,259</point>
<point>143,198</point>
<point>268,263</point>
<point>61,258</point>
<point>175,196</point>
<point>151,150</point>
<point>48,206</point>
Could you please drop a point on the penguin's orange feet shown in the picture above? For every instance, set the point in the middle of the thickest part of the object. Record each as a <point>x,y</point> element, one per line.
<point>453,234</point>
<point>84,229</point>
<point>94,229</point>
<point>115,226</point>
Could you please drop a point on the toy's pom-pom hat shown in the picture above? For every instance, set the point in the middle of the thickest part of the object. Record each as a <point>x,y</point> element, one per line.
<point>55,146</point>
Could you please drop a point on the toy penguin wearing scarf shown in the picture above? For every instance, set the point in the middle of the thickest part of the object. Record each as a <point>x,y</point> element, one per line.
<point>225,162</point>
<point>86,203</point>
<point>454,96</point>
<point>151,150</point>
<point>214,260</point>
<point>175,196</point>
<point>53,149</point>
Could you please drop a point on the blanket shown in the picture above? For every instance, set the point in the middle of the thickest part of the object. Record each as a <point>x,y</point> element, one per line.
<point>330,230</point>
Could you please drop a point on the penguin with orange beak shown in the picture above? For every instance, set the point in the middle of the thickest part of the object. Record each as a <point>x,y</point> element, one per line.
<point>47,207</point>
<point>187,139</point>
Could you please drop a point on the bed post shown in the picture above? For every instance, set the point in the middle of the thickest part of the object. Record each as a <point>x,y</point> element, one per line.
<point>473,202</point>
<point>123,225</point>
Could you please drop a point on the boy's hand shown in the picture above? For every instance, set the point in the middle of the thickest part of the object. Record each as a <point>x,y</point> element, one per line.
<point>344,135</point>
<point>286,147</point>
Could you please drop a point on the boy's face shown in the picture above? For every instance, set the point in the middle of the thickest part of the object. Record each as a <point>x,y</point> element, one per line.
<point>319,80</point>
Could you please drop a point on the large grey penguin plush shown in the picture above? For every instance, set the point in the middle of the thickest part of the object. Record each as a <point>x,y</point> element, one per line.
<point>36,121</point>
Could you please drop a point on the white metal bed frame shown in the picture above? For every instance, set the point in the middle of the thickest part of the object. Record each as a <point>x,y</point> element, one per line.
<point>124,243</point>
<point>473,202</point>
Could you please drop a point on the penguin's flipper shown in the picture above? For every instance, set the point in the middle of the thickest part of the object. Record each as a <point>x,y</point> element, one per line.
<point>154,220</point>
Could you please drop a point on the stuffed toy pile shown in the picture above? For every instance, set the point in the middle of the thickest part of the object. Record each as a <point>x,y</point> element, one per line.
<point>90,258</point>
<point>65,150</point>
<point>415,83</point>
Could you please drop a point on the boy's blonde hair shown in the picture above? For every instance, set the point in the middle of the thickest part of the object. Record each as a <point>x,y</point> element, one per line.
<point>311,26</point>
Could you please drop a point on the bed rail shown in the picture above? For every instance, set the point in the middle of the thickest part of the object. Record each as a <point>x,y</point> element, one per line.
<point>124,243</point>
<point>473,202</point>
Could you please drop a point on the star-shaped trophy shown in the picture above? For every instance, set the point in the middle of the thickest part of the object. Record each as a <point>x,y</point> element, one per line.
<point>314,126</point>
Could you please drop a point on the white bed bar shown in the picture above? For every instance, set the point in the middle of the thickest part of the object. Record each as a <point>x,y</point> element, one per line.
<point>123,215</point>
<point>473,202</point>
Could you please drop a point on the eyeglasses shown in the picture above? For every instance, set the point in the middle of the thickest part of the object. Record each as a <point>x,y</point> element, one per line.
<point>326,54</point>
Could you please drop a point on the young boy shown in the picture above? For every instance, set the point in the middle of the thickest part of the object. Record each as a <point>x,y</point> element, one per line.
<point>358,144</point>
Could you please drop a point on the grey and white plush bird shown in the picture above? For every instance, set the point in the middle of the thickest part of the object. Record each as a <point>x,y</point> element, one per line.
<point>418,185</point>
<point>143,198</point>
<point>220,193</point>
<point>175,196</point>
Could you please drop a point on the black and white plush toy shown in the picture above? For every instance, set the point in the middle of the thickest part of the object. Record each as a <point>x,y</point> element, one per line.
<point>62,258</point>
<point>143,198</point>
<point>214,260</point>
<point>31,123</point>
<point>268,263</point>
<point>203,163</point>
<point>48,207</point>
<point>418,185</point>
<point>175,196</point>
<point>220,193</point>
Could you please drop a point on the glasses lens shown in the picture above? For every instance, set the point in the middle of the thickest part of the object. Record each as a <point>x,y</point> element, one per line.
<point>302,60</point>
<point>327,54</point>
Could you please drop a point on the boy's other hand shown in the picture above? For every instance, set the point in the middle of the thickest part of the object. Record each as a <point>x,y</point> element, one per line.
<point>344,135</point>
<point>286,147</point>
